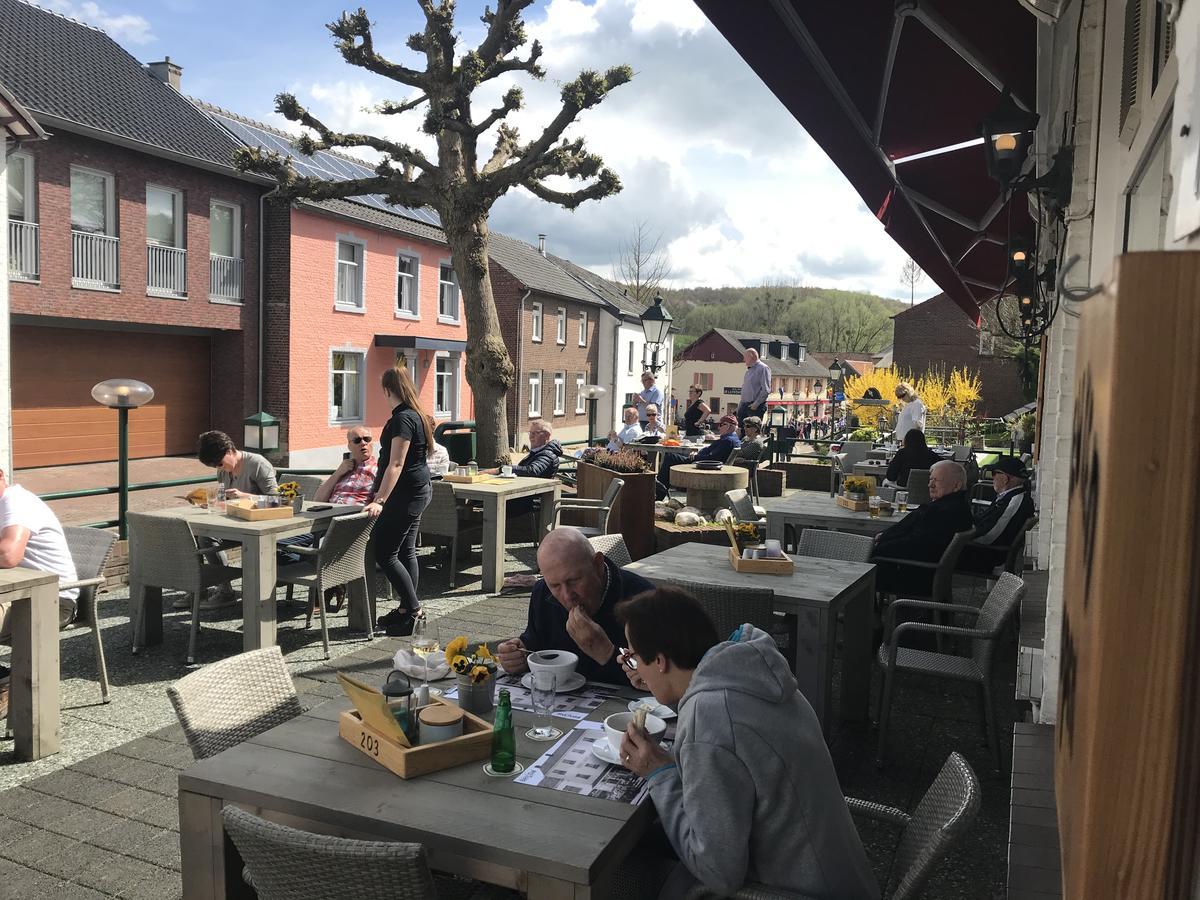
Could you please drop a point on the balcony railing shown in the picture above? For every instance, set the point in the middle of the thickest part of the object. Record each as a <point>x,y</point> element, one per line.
<point>166,271</point>
<point>94,261</point>
<point>225,273</point>
<point>23,251</point>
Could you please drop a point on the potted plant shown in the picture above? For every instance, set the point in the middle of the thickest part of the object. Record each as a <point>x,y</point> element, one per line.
<point>1023,432</point>
<point>632,513</point>
<point>858,487</point>
<point>475,672</point>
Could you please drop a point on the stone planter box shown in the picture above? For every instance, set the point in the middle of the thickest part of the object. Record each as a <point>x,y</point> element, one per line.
<point>633,513</point>
<point>805,476</point>
<point>770,482</point>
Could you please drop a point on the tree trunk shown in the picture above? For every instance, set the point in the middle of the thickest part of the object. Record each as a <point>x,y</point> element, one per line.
<point>489,369</point>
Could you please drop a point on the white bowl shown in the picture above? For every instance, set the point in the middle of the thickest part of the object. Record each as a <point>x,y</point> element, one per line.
<point>561,662</point>
<point>615,725</point>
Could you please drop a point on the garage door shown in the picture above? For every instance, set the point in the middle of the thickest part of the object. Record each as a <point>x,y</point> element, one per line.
<point>55,419</point>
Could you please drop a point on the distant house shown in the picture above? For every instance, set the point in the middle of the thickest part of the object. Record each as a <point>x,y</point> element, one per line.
<point>929,335</point>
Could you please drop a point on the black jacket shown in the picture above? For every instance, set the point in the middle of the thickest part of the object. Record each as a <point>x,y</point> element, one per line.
<point>926,532</point>
<point>907,459</point>
<point>1003,520</point>
<point>540,463</point>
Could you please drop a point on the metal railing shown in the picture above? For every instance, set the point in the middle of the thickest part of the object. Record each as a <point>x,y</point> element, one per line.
<point>166,271</point>
<point>95,260</point>
<point>225,277</point>
<point>23,251</point>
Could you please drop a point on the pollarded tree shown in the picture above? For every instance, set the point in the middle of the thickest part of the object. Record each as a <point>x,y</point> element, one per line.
<point>460,184</point>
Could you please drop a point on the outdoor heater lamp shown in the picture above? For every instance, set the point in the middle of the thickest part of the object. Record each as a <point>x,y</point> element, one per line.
<point>122,394</point>
<point>1007,134</point>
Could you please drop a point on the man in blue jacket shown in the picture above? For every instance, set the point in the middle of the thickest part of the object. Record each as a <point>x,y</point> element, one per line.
<point>727,441</point>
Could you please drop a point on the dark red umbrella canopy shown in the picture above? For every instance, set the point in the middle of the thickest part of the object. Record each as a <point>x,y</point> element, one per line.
<point>873,82</point>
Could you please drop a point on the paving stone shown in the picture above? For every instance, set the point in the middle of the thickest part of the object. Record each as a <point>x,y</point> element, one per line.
<point>24,883</point>
<point>162,813</point>
<point>70,865</point>
<point>130,838</point>
<point>123,873</point>
<point>87,823</point>
<point>161,884</point>
<point>128,801</point>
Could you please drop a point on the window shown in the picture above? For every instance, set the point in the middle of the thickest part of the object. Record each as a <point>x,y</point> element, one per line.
<point>562,325</point>
<point>583,329</point>
<point>560,392</point>
<point>92,204</point>
<point>22,229</point>
<point>703,380</point>
<point>537,322</point>
<point>224,229</point>
<point>447,293</point>
<point>402,362</point>
<point>535,394</point>
<point>346,386</point>
<point>350,275</point>
<point>20,188</point>
<point>164,217</point>
<point>987,343</point>
<point>406,285</point>
<point>580,381</point>
<point>1148,202</point>
<point>630,365</point>
<point>445,386</point>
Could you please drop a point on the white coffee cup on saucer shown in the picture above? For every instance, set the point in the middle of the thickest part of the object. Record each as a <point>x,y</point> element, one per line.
<point>506,471</point>
<point>615,725</point>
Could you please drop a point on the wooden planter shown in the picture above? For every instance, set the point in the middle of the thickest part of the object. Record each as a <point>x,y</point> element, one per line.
<point>632,514</point>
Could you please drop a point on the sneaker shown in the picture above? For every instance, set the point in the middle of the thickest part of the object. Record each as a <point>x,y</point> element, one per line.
<point>4,697</point>
<point>183,601</point>
<point>218,599</point>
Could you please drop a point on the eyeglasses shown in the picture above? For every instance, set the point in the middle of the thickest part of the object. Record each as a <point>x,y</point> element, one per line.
<point>362,439</point>
<point>627,659</point>
<point>651,415</point>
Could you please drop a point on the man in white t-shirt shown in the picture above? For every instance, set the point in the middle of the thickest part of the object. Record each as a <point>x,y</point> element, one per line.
<point>31,536</point>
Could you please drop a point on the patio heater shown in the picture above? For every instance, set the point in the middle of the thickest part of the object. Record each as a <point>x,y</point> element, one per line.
<point>656,324</point>
<point>122,394</point>
<point>593,393</point>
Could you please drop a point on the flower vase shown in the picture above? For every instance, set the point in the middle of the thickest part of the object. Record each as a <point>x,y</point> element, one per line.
<point>476,698</point>
<point>298,504</point>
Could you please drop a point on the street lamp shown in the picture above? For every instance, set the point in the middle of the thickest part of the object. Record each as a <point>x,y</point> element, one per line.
<point>260,432</point>
<point>1007,133</point>
<point>835,385</point>
<point>122,394</point>
<point>593,393</point>
<point>656,324</point>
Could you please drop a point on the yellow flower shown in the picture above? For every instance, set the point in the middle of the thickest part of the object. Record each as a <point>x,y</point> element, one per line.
<point>455,648</point>
<point>480,674</point>
<point>482,652</point>
<point>460,663</point>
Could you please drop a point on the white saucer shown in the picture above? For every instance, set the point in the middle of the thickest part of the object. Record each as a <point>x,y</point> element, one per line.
<point>603,751</point>
<point>502,475</point>
<point>663,712</point>
<point>574,683</point>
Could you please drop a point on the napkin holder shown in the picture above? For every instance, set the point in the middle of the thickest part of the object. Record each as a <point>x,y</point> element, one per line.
<point>245,509</point>
<point>776,565</point>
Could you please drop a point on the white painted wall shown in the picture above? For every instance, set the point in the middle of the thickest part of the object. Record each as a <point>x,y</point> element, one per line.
<point>5,335</point>
<point>614,372</point>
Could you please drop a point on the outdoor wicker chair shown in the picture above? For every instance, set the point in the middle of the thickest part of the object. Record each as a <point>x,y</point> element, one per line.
<point>990,620</point>
<point>835,545</point>
<point>232,700</point>
<point>730,607</point>
<point>918,487</point>
<point>843,462</point>
<point>443,521</point>
<point>90,550</point>
<point>284,863</point>
<point>744,510</point>
<point>163,554</point>
<point>1014,553</point>
<point>339,559</point>
<point>308,484</point>
<point>602,508</point>
<point>613,546</point>
<point>749,457</point>
<point>943,816</point>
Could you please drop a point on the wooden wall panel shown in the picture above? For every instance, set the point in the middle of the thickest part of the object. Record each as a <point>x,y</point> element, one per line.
<point>55,420</point>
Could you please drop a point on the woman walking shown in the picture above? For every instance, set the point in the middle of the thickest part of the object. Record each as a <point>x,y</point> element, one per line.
<point>402,491</point>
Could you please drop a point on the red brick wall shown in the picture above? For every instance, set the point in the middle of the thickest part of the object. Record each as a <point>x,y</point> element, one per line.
<point>937,333</point>
<point>711,348</point>
<point>277,278</point>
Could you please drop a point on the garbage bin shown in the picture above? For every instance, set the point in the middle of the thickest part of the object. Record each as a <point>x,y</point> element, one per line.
<point>459,440</point>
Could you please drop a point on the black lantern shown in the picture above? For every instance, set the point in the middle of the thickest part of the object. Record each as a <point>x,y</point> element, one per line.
<point>1007,134</point>
<point>656,325</point>
<point>1020,255</point>
<point>835,372</point>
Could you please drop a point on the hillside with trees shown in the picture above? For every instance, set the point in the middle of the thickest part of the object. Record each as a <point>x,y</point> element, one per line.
<point>822,318</point>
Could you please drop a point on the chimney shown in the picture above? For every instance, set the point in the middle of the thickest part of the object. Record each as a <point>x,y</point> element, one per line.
<point>169,73</point>
<point>542,244</point>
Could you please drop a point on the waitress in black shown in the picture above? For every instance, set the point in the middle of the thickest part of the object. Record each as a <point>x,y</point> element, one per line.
<point>696,412</point>
<point>402,491</point>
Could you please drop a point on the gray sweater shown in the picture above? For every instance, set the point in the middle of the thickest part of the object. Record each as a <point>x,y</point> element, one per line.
<point>257,476</point>
<point>754,797</point>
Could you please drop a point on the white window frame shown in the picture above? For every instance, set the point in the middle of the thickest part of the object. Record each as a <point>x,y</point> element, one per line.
<point>414,281</point>
<point>534,382</point>
<point>536,330</point>
<point>630,369</point>
<point>412,365</point>
<point>560,393</point>
<point>580,381</point>
<point>27,189</point>
<point>110,199</point>
<point>455,373</point>
<point>361,353</point>
<point>179,215</point>
<point>361,307</point>
<point>583,327</point>
<point>561,333</point>
<point>442,317</point>
<point>237,226</point>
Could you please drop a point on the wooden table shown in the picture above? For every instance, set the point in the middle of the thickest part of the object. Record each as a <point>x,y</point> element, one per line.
<point>494,495</point>
<point>816,509</point>
<point>552,844</point>
<point>706,487</point>
<point>813,595</point>
<point>873,469</point>
<point>258,566</point>
<point>33,713</point>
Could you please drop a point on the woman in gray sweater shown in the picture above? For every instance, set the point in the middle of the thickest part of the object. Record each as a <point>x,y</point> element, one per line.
<point>749,794</point>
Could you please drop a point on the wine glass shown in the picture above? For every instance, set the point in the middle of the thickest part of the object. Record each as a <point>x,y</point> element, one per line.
<point>543,688</point>
<point>423,645</point>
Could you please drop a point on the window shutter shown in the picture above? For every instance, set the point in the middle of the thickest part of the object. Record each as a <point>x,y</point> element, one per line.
<point>1129,58</point>
<point>1164,41</point>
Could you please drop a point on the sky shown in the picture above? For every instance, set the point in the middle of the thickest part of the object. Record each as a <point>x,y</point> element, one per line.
<point>708,157</point>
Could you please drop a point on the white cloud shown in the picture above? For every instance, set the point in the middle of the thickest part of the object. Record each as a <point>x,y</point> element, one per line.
<point>122,27</point>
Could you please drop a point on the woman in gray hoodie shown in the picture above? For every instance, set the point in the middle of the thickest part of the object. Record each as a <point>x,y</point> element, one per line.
<point>749,794</point>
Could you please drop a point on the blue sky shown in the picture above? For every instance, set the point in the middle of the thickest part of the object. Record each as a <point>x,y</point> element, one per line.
<point>708,156</point>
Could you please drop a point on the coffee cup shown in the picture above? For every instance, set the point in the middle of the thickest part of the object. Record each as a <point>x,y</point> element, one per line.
<point>506,471</point>
<point>561,662</point>
<point>615,725</point>
<point>772,549</point>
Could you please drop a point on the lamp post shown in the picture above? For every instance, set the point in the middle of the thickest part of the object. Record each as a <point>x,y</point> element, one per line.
<point>835,384</point>
<point>656,324</point>
<point>593,393</point>
<point>122,394</point>
<point>816,389</point>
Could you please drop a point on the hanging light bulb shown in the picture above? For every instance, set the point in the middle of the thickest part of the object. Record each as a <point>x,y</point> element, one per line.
<point>1007,134</point>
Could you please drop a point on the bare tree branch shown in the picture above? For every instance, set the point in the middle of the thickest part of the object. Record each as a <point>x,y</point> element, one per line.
<point>290,107</point>
<point>392,108</point>
<point>357,46</point>
<point>291,184</point>
<point>506,146</point>
<point>513,99</point>
<point>643,264</point>
<point>607,183</point>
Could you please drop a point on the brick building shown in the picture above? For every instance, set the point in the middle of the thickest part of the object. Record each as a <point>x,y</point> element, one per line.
<point>931,335</point>
<point>133,250</point>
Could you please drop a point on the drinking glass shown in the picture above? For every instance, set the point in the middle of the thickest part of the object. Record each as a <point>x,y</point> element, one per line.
<point>423,644</point>
<point>874,506</point>
<point>902,500</point>
<point>542,685</point>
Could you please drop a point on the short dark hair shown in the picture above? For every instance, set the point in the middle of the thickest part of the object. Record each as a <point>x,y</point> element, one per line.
<point>669,621</point>
<point>213,447</point>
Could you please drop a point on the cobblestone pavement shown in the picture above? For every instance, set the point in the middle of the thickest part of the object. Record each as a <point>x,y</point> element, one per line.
<point>100,818</point>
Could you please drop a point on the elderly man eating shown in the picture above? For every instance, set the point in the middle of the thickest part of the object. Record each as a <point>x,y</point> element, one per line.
<point>572,608</point>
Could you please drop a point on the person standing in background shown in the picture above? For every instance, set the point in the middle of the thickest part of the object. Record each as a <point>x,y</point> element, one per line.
<point>756,387</point>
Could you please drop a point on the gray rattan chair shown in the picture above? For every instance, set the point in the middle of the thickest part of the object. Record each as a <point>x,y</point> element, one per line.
<point>749,456</point>
<point>308,484</point>
<point>918,487</point>
<point>990,620</point>
<point>601,508</point>
<point>843,462</point>
<point>163,554</point>
<point>340,559</point>
<point>942,589</point>
<point>443,521</point>
<point>1014,553</point>
<point>744,510</point>
<point>943,816</point>
<point>90,549</point>
<point>613,546</point>
<point>729,607</point>
<point>834,545</point>
<point>225,703</point>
